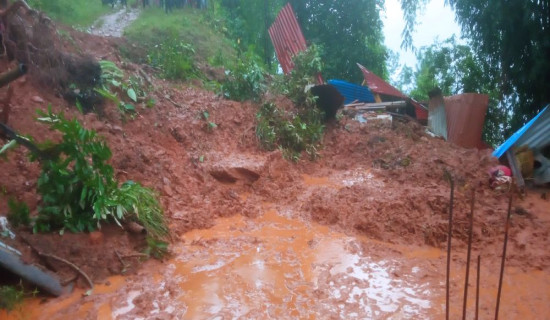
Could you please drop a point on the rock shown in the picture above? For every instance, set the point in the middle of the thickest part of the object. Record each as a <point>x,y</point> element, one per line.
<point>169,192</point>
<point>37,99</point>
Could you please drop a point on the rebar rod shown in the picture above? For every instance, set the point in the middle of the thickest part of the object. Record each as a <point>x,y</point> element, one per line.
<point>450,233</point>
<point>477,285</point>
<point>503,256</point>
<point>470,233</point>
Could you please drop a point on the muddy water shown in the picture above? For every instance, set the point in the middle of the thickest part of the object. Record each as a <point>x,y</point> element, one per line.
<point>280,268</point>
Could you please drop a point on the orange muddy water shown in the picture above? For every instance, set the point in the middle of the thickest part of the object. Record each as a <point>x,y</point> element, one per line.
<point>281,268</point>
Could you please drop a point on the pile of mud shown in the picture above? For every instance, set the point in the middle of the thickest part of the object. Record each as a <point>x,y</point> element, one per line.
<point>385,183</point>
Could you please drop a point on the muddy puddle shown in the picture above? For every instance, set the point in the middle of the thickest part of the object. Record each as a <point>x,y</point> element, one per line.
<point>281,268</point>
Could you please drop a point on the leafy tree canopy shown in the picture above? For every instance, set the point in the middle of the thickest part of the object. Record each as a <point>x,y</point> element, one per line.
<point>513,37</point>
<point>348,31</point>
<point>455,68</point>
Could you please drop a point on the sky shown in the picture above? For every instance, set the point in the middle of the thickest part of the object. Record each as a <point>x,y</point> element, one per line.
<point>435,21</point>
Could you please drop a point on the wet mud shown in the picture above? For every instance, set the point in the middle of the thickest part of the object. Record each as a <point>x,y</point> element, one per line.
<point>281,268</point>
<point>358,233</point>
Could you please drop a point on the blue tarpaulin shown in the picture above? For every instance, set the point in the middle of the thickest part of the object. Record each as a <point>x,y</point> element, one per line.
<point>352,92</point>
<point>535,134</point>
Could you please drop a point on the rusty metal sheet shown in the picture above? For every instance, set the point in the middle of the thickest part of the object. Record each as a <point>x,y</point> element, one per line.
<point>465,118</point>
<point>287,37</point>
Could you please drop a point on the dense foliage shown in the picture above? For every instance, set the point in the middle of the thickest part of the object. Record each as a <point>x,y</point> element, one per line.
<point>174,57</point>
<point>301,129</point>
<point>513,38</point>
<point>72,12</point>
<point>349,31</point>
<point>454,68</point>
<point>78,188</point>
<point>245,80</point>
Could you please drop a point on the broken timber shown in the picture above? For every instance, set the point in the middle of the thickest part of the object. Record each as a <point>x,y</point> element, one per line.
<point>376,105</point>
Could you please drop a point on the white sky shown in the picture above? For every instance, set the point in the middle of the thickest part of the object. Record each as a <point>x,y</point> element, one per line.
<point>435,21</point>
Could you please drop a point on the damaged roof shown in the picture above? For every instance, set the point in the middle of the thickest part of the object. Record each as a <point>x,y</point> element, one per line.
<point>379,86</point>
<point>352,92</point>
<point>535,134</point>
<point>287,37</point>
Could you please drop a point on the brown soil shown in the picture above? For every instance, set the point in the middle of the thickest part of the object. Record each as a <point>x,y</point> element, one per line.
<point>383,183</point>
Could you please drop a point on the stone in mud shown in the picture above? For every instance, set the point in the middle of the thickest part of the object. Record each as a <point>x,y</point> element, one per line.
<point>233,170</point>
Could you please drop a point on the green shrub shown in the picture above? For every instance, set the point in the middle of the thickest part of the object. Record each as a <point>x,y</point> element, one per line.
<point>114,82</point>
<point>175,58</point>
<point>307,65</point>
<point>10,297</point>
<point>301,130</point>
<point>245,80</point>
<point>78,188</point>
<point>71,12</point>
<point>293,133</point>
<point>19,214</point>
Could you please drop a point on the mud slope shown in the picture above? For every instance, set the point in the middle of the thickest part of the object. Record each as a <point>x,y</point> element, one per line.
<point>377,183</point>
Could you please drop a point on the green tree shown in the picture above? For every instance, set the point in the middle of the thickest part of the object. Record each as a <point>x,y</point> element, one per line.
<point>513,37</point>
<point>454,68</point>
<point>348,31</point>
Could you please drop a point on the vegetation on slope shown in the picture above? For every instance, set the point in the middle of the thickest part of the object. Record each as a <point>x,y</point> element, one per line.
<point>82,13</point>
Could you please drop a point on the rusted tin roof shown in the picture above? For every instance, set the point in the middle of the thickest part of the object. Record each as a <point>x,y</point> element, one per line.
<point>379,86</point>
<point>465,118</point>
<point>287,37</point>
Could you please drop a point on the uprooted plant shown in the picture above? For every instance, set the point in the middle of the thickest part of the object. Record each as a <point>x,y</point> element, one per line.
<point>114,83</point>
<point>79,190</point>
<point>302,128</point>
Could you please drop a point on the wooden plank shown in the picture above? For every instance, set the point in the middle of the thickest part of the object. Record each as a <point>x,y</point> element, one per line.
<point>516,170</point>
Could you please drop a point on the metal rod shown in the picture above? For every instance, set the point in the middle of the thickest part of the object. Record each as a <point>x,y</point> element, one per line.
<point>450,233</point>
<point>503,256</point>
<point>477,285</point>
<point>470,232</point>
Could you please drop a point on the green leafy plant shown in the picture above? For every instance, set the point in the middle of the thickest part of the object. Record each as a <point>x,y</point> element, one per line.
<point>175,58</point>
<point>245,80</point>
<point>78,188</point>
<point>291,132</point>
<point>19,214</point>
<point>113,83</point>
<point>307,65</point>
<point>8,146</point>
<point>11,296</point>
<point>209,125</point>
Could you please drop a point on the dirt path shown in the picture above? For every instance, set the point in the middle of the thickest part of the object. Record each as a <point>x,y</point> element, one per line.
<point>113,25</point>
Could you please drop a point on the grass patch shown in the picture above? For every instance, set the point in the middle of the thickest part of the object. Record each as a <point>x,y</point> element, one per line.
<point>81,13</point>
<point>155,27</point>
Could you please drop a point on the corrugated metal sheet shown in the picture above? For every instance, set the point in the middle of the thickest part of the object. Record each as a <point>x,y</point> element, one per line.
<point>352,92</point>
<point>535,134</point>
<point>379,86</point>
<point>437,118</point>
<point>465,118</point>
<point>287,37</point>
